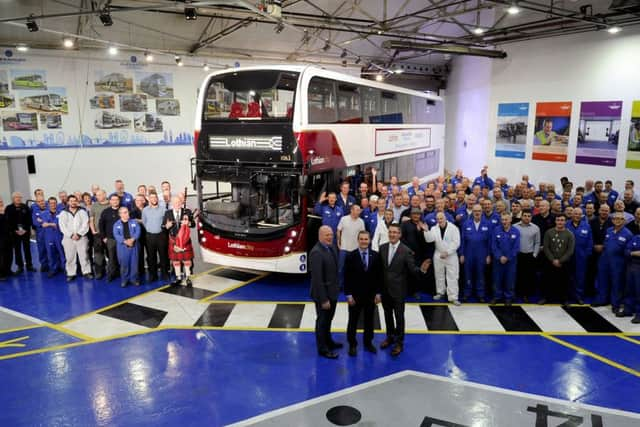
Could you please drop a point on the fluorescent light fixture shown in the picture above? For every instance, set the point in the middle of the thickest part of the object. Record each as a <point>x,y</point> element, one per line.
<point>22,48</point>
<point>113,50</point>
<point>513,10</point>
<point>379,77</point>
<point>206,67</point>
<point>398,71</point>
<point>68,43</point>
<point>614,30</point>
<point>148,57</point>
<point>478,31</point>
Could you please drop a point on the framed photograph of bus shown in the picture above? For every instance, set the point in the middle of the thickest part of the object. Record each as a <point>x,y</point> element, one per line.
<point>50,120</point>
<point>7,101</point>
<point>147,123</point>
<point>156,85</point>
<point>4,82</point>
<point>54,99</point>
<point>19,122</point>
<point>102,101</point>
<point>29,79</point>
<point>168,107</point>
<point>109,120</point>
<point>113,82</point>
<point>135,103</point>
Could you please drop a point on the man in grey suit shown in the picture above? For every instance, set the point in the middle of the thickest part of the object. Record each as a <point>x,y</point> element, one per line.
<point>398,266</point>
<point>323,266</point>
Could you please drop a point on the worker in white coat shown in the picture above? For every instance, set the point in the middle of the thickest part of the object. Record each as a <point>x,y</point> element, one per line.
<point>445,258</point>
<point>74,226</point>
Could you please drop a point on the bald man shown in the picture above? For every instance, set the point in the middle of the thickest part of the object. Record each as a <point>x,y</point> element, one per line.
<point>323,267</point>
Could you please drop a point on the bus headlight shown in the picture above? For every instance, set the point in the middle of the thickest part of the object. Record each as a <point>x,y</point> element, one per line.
<point>290,241</point>
<point>287,249</point>
<point>293,233</point>
<point>204,240</point>
<point>201,232</point>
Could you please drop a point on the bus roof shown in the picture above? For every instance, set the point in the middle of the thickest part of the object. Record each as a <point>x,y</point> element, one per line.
<point>310,69</point>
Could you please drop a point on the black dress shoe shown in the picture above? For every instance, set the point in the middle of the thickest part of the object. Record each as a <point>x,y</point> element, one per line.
<point>189,285</point>
<point>99,276</point>
<point>136,283</point>
<point>525,300</point>
<point>31,269</point>
<point>494,301</point>
<point>542,301</point>
<point>386,343</point>
<point>88,276</point>
<point>397,349</point>
<point>165,277</point>
<point>71,278</point>
<point>335,345</point>
<point>44,269</point>
<point>153,279</point>
<point>353,350</point>
<point>124,284</point>
<point>328,354</point>
<point>508,303</point>
<point>481,300</point>
<point>580,301</point>
<point>370,348</point>
<point>598,304</point>
<point>636,319</point>
<point>19,271</point>
<point>110,278</point>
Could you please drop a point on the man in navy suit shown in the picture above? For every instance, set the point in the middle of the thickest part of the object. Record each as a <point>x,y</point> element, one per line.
<point>363,289</point>
<point>323,267</point>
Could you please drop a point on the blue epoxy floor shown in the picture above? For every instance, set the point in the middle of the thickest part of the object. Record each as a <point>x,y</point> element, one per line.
<point>214,377</point>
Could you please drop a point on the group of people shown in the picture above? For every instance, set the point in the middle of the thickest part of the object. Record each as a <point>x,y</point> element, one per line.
<point>504,243</point>
<point>95,234</point>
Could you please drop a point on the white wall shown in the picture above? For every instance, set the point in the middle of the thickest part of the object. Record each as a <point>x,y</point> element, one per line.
<point>467,103</point>
<point>587,67</point>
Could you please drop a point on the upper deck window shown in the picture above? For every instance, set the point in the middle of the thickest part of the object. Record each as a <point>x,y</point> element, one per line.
<point>251,95</point>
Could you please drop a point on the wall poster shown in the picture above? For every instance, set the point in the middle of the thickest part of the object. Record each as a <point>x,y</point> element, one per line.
<point>633,148</point>
<point>551,137</point>
<point>511,135</point>
<point>598,133</point>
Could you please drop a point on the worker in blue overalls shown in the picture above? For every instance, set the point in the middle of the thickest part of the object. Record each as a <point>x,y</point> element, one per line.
<point>53,237</point>
<point>505,246</point>
<point>126,234</point>
<point>36,219</point>
<point>611,266</point>
<point>584,247</point>
<point>490,215</point>
<point>633,278</point>
<point>330,212</point>
<point>475,252</point>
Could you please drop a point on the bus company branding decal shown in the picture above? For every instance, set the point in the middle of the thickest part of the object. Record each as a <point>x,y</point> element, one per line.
<point>257,143</point>
<point>235,245</point>
<point>390,141</point>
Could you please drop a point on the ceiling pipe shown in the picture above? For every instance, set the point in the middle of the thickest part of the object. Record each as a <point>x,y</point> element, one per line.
<point>444,48</point>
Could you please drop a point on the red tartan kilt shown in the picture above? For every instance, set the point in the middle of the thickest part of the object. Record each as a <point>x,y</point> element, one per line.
<point>187,255</point>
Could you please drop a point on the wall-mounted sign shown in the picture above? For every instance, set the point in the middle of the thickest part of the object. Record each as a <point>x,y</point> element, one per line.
<point>397,140</point>
<point>598,133</point>
<point>511,135</point>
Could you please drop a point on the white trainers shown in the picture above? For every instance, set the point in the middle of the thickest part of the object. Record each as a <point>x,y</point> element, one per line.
<point>438,297</point>
<point>456,302</point>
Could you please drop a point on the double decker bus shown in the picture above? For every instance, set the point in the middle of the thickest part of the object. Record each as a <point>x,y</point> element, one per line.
<point>279,137</point>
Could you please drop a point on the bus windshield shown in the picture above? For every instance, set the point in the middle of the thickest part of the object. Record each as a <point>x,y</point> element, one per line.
<point>251,95</point>
<point>260,205</point>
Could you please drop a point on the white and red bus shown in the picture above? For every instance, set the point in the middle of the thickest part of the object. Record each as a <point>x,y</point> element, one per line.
<point>269,140</point>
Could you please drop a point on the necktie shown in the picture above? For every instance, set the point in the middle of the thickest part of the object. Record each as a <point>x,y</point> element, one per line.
<point>392,252</point>
<point>364,259</point>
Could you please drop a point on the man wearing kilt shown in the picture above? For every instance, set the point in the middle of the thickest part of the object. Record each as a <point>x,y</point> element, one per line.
<point>178,221</point>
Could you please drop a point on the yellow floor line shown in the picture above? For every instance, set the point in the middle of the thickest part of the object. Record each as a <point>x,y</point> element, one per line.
<point>592,355</point>
<point>66,331</point>
<point>21,328</point>
<point>628,339</point>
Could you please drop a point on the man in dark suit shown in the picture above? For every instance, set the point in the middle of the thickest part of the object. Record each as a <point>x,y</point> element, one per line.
<point>363,289</point>
<point>323,267</point>
<point>398,267</point>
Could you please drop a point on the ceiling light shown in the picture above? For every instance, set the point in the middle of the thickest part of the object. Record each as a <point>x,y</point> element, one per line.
<point>343,54</point>
<point>379,32</point>
<point>148,57</point>
<point>179,61</point>
<point>105,17</point>
<point>190,13</point>
<point>513,10</point>
<point>113,50</point>
<point>326,46</point>
<point>32,26</point>
<point>68,43</point>
<point>614,30</point>
<point>206,67</point>
<point>398,71</point>
<point>478,31</point>
<point>379,77</point>
<point>22,48</point>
